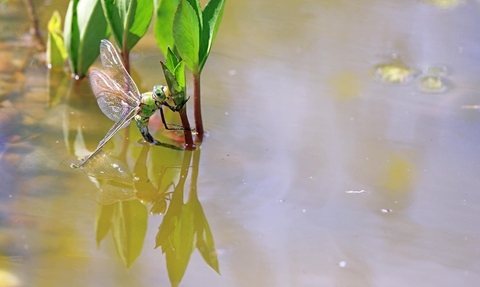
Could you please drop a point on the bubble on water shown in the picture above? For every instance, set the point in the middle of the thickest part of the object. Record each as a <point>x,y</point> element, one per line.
<point>440,70</point>
<point>433,84</point>
<point>386,210</point>
<point>232,72</point>
<point>394,73</point>
<point>342,264</point>
<point>355,191</point>
<point>444,4</point>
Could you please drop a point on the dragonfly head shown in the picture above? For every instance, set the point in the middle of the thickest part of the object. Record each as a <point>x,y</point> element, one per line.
<point>160,92</point>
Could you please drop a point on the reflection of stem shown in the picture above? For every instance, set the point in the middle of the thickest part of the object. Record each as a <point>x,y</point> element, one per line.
<point>187,132</point>
<point>125,143</point>
<point>195,164</point>
<point>197,109</point>
<point>34,24</point>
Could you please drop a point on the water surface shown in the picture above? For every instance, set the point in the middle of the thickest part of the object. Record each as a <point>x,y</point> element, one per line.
<point>315,172</point>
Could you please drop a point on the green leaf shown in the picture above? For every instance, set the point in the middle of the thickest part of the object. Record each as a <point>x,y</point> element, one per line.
<point>212,17</point>
<point>178,92</point>
<point>172,60</point>
<point>71,34</point>
<point>93,28</point>
<point>196,6</point>
<point>186,32</point>
<point>164,24</point>
<point>56,52</point>
<point>84,27</point>
<point>129,227</point>
<point>128,19</point>
<point>180,75</point>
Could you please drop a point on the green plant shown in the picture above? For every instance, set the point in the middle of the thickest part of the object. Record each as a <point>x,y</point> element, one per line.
<point>174,70</point>
<point>128,21</point>
<point>84,27</point>
<point>193,33</point>
<point>56,52</point>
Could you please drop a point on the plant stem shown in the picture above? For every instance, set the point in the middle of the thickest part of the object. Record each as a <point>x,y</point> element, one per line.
<point>187,132</point>
<point>126,57</point>
<point>34,30</point>
<point>197,109</point>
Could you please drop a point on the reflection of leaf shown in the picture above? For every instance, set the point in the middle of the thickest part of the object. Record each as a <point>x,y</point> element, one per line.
<point>181,246</point>
<point>129,227</point>
<point>103,222</point>
<point>185,227</point>
<point>204,242</point>
<point>399,174</point>
<point>58,84</point>
<point>170,221</point>
<point>142,183</point>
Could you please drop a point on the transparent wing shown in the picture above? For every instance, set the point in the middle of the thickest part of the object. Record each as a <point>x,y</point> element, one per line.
<point>114,102</point>
<point>113,67</point>
<point>123,122</point>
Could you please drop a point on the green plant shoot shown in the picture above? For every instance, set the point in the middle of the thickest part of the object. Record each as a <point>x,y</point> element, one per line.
<point>165,12</point>
<point>174,70</point>
<point>84,27</point>
<point>194,31</point>
<point>56,52</point>
<point>129,21</point>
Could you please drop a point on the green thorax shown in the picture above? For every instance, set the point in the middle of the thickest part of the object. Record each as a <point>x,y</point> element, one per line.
<point>147,105</point>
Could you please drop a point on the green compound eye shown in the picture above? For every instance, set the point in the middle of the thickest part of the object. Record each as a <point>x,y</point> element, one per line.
<point>159,92</point>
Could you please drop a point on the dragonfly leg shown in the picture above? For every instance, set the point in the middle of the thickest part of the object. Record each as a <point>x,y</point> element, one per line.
<point>166,125</point>
<point>143,127</point>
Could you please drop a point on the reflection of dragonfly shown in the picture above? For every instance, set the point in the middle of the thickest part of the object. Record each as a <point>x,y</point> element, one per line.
<point>119,99</point>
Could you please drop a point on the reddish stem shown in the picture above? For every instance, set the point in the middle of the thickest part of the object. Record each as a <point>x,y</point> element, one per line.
<point>197,109</point>
<point>126,58</point>
<point>189,145</point>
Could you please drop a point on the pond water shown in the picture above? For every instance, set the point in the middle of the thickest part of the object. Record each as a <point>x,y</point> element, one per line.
<point>342,150</point>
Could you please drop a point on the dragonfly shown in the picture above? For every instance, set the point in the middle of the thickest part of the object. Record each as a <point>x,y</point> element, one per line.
<point>120,100</point>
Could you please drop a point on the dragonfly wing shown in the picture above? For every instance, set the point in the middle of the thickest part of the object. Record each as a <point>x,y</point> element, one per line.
<point>113,66</point>
<point>114,102</point>
<point>122,123</point>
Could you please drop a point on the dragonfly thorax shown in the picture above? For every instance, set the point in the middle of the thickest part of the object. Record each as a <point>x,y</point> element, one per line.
<point>148,105</point>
